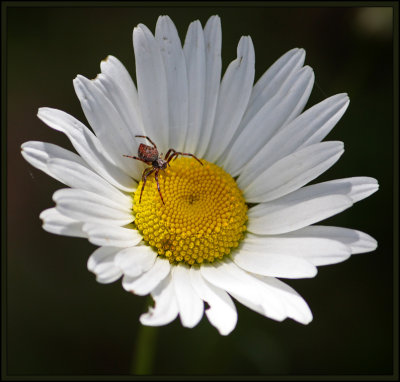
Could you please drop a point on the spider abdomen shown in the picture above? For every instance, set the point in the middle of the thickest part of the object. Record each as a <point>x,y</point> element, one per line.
<point>147,153</point>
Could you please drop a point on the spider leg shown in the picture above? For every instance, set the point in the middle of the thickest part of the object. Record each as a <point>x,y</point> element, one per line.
<point>146,170</point>
<point>176,153</point>
<point>168,153</point>
<point>145,136</point>
<point>158,185</point>
<point>129,156</point>
<point>146,173</point>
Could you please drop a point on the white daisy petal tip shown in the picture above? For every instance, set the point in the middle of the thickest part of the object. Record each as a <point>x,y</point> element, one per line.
<point>101,263</point>
<point>359,187</point>
<point>24,147</point>
<point>140,36</point>
<point>58,224</point>
<point>364,244</point>
<point>306,316</point>
<point>77,83</point>
<point>79,78</point>
<point>141,28</point>
<point>372,184</point>
<point>308,70</point>
<point>41,111</point>
<point>107,61</point>
<point>297,51</point>
<point>149,280</point>
<point>134,261</point>
<point>165,19</point>
<point>221,311</point>
<point>165,307</point>
<point>190,305</point>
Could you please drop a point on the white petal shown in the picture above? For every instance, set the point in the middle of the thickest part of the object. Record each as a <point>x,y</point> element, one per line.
<point>313,248</point>
<point>302,89</point>
<point>233,97</point>
<point>136,260</point>
<point>88,147</point>
<point>314,124</point>
<point>240,284</point>
<point>39,153</point>
<point>76,175</point>
<point>309,205</point>
<point>280,109</point>
<point>149,280</point>
<point>129,124</point>
<point>291,303</point>
<point>59,224</point>
<point>91,208</point>
<point>165,309</point>
<point>101,263</point>
<point>111,236</point>
<point>212,41</point>
<point>271,82</point>
<point>357,188</point>
<point>221,312</point>
<point>115,70</point>
<point>122,105</point>
<point>190,305</point>
<point>296,210</point>
<point>195,56</point>
<point>152,86</point>
<point>267,263</point>
<point>106,122</point>
<point>124,94</point>
<point>310,127</point>
<point>249,303</point>
<point>177,81</point>
<point>292,172</point>
<point>295,306</point>
<point>355,241</point>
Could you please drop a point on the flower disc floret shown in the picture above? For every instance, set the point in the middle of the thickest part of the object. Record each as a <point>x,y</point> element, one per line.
<point>204,216</point>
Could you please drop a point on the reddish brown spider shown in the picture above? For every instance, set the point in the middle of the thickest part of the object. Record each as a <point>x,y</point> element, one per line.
<point>150,156</point>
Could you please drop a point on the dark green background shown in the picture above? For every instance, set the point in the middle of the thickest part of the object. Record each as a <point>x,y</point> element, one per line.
<point>60,321</point>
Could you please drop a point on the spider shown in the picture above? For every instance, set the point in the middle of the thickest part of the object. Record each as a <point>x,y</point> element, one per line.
<point>150,156</point>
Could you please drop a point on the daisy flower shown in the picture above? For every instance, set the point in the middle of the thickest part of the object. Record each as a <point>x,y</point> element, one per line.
<point>199,234</point>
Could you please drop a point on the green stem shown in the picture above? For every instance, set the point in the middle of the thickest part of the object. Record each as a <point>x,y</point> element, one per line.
<point>143,357</point>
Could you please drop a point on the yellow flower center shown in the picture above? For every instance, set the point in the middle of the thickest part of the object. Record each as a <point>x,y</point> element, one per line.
<point>204,214</point>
